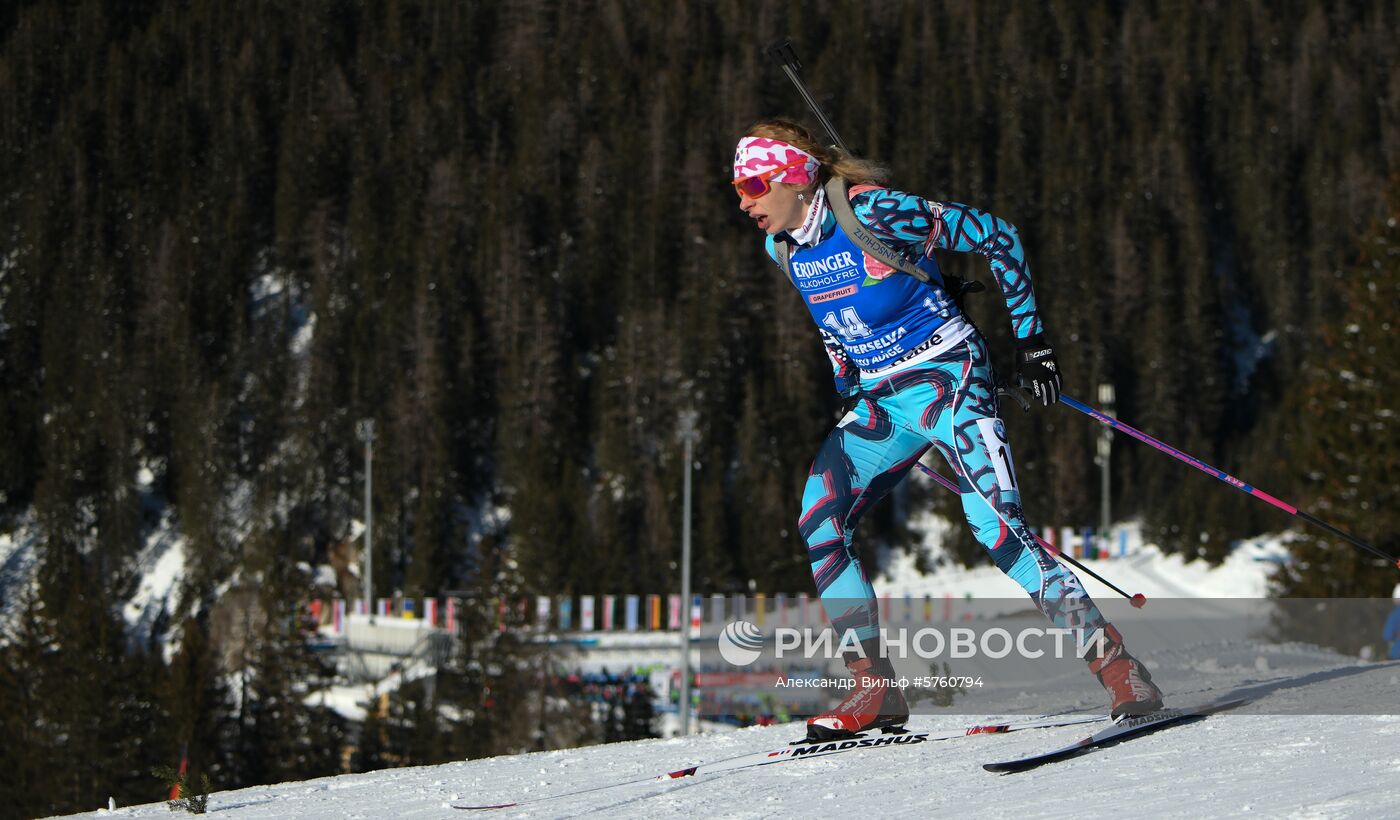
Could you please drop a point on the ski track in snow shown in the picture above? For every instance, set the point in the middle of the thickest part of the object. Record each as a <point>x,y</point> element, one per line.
<point>1242,763</point>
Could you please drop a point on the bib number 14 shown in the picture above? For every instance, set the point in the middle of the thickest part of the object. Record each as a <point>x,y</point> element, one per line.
<point>850,325</point>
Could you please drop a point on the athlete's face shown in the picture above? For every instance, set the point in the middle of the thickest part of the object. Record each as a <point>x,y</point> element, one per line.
<point>776,211</point>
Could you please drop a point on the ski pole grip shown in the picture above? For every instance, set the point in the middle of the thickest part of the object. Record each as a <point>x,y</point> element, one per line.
<point>782,53</point>
<point>1018,394</point>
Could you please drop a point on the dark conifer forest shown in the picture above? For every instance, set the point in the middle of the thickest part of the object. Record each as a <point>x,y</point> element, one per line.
<point>504,231</point>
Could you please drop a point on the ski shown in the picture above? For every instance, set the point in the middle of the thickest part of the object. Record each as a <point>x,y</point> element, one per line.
<point>806,751</point>
<point>1038,723</point>
<point>1129,728</point>
<point>825,748</point>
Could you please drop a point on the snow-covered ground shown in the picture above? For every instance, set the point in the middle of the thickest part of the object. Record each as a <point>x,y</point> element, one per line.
<point>1244,573</point>
<point>18,559</point>
<point>161,565</point>
<point>1247,762</point>
<point>1253,761</point>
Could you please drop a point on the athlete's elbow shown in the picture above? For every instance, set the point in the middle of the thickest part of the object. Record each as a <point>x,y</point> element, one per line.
<point>1004,240</point>
<point>1008,230</point>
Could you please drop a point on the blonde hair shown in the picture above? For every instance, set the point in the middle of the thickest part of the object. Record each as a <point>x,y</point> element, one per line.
<point>834,161</point>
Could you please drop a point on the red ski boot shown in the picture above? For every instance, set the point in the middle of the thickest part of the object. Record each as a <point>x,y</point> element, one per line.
<point>875,702</point>
<point>1128,682</point>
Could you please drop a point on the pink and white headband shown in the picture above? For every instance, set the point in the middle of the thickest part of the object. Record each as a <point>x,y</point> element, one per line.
<point>758,154</point>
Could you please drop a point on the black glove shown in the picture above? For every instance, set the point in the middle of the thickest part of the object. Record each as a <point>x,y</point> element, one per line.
<point>1037,370</point>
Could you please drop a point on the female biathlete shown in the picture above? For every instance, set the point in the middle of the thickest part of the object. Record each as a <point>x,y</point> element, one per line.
<point>919,375</point>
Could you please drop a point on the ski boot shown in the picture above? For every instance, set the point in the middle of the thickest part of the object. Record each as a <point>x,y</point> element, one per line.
<point>1128,682</point>
<point>875,702</point>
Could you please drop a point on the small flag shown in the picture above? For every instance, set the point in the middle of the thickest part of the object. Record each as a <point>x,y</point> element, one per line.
<point>453,627</point>
<point>585,613</point>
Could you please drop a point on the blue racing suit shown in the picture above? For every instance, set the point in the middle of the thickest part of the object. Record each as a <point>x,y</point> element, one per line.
<point>924,379</point>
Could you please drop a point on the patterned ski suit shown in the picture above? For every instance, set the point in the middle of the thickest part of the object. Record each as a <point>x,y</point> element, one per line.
<point>924,379</point>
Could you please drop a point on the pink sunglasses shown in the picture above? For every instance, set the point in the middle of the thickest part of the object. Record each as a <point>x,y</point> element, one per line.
<point>757,185</point>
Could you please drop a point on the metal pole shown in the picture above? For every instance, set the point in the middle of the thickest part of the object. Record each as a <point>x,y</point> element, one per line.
<point>365,430</point>
<point>1106,398</point>
<point>683,706</point>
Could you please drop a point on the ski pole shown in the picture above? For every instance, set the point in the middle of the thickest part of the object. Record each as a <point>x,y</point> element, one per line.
<point>1223,476</point>
<point>782,53</point>
<point>1138,600</point>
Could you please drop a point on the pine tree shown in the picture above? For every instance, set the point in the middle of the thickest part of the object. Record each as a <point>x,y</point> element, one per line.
<point>494,692</point>
<point>199,704</point>
<point>1347,439</point>
<point>81,692</point>
<point>26,714</point>
<point>283,731</point>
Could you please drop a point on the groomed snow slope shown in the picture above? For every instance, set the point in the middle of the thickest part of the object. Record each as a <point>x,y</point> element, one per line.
<point>1246,762</point>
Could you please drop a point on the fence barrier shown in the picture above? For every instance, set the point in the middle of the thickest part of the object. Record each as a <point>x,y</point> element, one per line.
<point>664,613</point>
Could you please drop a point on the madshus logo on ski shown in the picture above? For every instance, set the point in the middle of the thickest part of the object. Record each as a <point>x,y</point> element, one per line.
<point>800,751</point>
<point>816,749</point>
<point>740,643</point>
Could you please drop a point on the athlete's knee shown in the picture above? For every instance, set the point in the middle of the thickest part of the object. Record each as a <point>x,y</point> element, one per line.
<point>1002,535</point>
<point>818,524</point>
<point>987,527</point>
